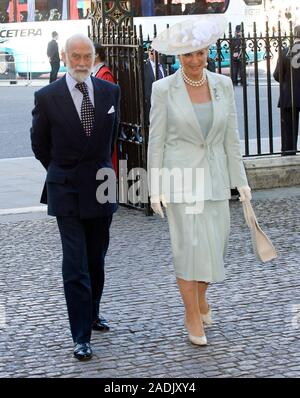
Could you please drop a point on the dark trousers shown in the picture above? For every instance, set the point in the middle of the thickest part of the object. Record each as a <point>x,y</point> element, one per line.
<point>54,71</point>
<point>289,137</point>
<point>237,72</point>
<point>84,244</point>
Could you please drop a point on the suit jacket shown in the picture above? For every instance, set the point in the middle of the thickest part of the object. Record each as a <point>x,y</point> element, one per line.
<point>149,79</point>
<point>176,139</point>
<point>71,158</point>
<point>52,51</point>
<point>285,100</point>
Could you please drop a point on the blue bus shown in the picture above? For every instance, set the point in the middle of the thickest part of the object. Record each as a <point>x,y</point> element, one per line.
<point>26,25</point>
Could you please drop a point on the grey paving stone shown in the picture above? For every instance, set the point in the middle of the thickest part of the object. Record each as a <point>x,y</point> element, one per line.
<point>255,333</point>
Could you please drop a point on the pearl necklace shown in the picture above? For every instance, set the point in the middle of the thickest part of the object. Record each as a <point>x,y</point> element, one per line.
<point>194,83</point>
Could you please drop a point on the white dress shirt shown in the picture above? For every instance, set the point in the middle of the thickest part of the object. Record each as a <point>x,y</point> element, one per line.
<point>154,69</point>
<point>97,68</point>
<point>77,95</point>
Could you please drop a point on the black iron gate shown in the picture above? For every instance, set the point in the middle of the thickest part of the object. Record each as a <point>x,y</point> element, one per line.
<point>126,59</point>
<point>112,26</point>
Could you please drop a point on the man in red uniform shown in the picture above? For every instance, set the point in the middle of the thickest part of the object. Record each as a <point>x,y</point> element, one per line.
<point>102,71</point>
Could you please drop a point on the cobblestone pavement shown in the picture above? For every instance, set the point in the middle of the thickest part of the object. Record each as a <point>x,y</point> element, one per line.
<point>256,309</point>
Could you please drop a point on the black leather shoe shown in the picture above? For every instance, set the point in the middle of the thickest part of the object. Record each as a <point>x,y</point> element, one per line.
<point>83,351</point>
<point>100,324</point>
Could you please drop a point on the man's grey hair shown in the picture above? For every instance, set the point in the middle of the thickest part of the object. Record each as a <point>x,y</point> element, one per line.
<point>79,37</point>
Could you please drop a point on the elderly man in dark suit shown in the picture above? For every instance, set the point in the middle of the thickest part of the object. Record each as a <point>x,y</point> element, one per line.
<point>290,84</point>
<point>74,129</point>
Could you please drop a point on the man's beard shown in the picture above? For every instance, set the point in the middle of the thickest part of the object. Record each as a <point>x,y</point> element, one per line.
<point>79,75</point>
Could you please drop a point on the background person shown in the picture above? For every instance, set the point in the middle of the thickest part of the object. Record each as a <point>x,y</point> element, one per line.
<point>289,133</point>
<point>237,65</point>
<point>101,70</point>
<point>150,77</point>
<point>53,55</point>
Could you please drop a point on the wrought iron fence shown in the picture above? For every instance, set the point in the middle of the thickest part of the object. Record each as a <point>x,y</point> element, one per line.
<point>256,97</point>
<point>125,55</point>
<point>258,59</point>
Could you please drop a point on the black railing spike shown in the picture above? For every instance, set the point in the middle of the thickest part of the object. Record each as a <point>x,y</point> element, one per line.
<point>141,33</point>
<point>291,28</point>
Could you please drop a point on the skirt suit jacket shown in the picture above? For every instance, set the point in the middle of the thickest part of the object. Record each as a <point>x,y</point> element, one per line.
<point>176,139</point>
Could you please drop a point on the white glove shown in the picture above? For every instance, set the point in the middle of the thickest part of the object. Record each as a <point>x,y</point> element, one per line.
<point>156,206</point>
<point>245,193</point>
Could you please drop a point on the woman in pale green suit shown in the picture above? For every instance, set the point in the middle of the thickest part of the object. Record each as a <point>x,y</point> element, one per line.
<point>193,126</point>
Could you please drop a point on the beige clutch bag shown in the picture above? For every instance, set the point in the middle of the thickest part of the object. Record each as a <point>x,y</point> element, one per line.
<point>262,246</point>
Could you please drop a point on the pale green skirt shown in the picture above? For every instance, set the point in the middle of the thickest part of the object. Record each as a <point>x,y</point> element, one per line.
<point>199,241</point>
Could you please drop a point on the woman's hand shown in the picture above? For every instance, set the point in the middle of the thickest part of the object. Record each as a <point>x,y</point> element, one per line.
<point>156,206</point>
<point>245,193</point>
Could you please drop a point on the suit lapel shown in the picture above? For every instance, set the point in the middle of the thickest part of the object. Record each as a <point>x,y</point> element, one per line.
<point>151,73</point>
<point>99,100</point>
<point>183,103</point>
<point>103,101</point>
<point>100,110</point>
<point>65,105</point>
<point>212,85</point>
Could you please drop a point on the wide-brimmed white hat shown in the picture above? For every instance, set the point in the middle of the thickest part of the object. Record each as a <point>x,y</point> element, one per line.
<point>190,35</point>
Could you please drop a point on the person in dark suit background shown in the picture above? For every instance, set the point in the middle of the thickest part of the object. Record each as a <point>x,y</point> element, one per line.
<point>150,77</point>
<point>74,128</point>
<point>102,71</point>
<point>211,65</point>
<point>289,133</point>
<point>53,55</point>
<point>237,65</point>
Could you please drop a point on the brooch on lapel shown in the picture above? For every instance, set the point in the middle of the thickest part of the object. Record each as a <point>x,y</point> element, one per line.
<point>217,97</point>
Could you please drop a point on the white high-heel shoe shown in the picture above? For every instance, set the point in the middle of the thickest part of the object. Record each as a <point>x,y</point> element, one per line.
<point>198,340</point>
<point>206,318</point>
